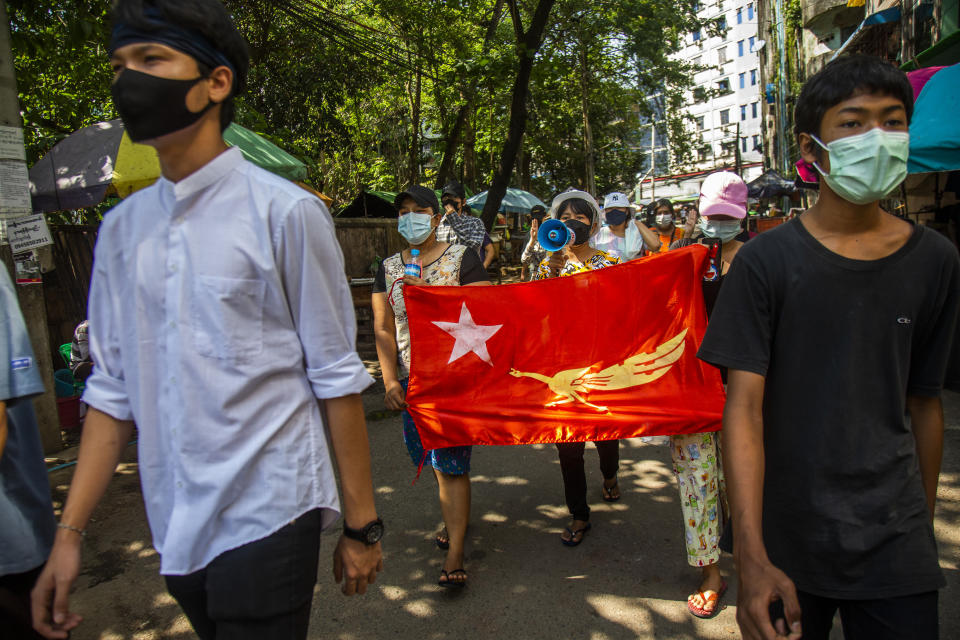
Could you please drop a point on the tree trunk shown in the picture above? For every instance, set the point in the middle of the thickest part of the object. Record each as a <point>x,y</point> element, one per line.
<point>470,151</point>
<point>31,297</point>
<point>466,110</point>
<point>589,170</point>
<point>453,143</point>
<point>525,181</point>
<point>527,48</point>
<point>415,125</point>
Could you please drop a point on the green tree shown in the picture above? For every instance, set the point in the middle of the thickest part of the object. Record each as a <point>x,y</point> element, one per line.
<point>373,93</point>
<point>59,50</point>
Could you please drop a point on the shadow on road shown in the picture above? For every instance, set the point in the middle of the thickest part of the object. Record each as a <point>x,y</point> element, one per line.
<point>628,579</point>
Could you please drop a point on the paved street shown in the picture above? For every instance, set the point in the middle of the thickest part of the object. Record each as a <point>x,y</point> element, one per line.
<point>628,579</point>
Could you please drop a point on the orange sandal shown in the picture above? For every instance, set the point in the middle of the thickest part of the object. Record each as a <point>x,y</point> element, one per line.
<point>714,597</point>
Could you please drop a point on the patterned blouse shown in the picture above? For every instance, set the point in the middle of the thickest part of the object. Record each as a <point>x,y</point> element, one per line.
<point>445,270</point>
<point>598,260</point>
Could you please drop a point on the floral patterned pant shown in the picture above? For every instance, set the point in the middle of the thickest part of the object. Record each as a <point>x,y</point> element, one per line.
<point>696,463</point>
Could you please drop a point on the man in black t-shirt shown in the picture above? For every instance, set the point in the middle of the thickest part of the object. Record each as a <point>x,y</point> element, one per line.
<point>833,327</point>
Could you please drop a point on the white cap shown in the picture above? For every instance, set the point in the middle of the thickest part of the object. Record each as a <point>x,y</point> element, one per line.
<point>616,199</point>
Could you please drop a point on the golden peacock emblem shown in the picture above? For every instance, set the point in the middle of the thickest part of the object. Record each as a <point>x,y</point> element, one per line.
<point>639,369</point>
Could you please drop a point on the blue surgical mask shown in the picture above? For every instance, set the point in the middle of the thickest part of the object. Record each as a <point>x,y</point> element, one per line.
<point>866,167</point>
<point>415,227</point>
<point>723,230</point>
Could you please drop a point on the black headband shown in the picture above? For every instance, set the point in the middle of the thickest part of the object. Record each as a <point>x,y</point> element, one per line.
<point>162,31</point>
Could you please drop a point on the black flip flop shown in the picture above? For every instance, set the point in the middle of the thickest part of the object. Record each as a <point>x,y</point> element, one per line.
<point>573,534</point>
<point>448,583</point>
<point>441,543</point>
<point>607,494</point>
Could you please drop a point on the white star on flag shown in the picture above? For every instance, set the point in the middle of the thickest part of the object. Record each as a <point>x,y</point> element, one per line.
<point>469,335</point>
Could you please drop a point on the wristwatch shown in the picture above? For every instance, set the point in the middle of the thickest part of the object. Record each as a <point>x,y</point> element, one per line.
<point>369,535</point>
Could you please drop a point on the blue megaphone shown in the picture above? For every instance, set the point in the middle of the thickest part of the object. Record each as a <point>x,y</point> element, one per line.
<point>554,235</point>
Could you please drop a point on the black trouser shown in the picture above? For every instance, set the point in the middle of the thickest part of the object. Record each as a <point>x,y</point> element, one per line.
<point>575,478</point>
<point>913,617</point>
<point>260,591</point>
<point>15,605</point>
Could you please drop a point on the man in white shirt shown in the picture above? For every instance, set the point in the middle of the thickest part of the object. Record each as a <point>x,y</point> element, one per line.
<point>221,323</point>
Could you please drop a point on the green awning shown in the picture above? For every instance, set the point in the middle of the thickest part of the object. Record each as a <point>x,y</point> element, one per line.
<point>264,153</point>
<point>944,53</point>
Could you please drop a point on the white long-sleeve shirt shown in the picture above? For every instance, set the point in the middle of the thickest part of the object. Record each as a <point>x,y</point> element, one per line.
<point>219,313</point>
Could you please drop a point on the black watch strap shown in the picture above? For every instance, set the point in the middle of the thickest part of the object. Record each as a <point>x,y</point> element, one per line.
<point>369,535</point>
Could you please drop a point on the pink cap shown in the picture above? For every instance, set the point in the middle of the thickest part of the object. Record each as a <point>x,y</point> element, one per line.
<point>723,194</point>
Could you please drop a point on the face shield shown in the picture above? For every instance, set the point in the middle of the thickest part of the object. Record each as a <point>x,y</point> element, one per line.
<point>557,205</point>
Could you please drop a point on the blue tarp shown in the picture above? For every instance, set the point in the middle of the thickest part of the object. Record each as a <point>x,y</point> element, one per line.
<point>935,127</point>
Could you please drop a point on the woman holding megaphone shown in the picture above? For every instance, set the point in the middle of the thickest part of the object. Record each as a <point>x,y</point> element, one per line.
<point>574,219</point>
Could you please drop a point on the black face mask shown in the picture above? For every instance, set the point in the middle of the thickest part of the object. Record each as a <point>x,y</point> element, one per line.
<point>449,203</point>
<point>581,231</point>
<point>538,217</point>
<point>616,217</point>
<point>151,106</point>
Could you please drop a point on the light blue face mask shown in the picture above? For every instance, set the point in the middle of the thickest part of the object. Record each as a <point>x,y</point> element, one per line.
<point>866,167</point>
<point>723,230</point>
<point>415,227</point>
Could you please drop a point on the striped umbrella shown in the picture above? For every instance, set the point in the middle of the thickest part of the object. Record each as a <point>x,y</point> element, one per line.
<point>101,160</point>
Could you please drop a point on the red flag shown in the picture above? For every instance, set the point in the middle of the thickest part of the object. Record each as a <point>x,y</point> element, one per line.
<point>597,356</point>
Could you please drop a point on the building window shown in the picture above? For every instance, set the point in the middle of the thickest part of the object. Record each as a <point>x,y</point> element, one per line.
<point>700,123</point>
<point>743,112</point>
<point>722,55</point>
<point>725,116</point>
<point>740,48</point>
<point>699,94</point>
<point>723,86</point>
<point>743,145</point>
<point>750,11</point>
<point>753,42</point>
<point>753,108</point>
<point>698,61</point>
<point>756,143</point>
<point>743,80</point>
<point>739,16</point>
<point>722,23</point>
<point>753,77</point>
<point>728,148</point>
<point>696,35</point>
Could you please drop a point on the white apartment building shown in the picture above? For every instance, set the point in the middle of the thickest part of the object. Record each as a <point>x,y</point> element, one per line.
<point>725,103</point>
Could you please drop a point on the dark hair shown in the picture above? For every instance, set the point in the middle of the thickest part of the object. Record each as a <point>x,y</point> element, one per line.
<point>208,18</point>
<point>844,78</point>
<point>578,206</point>
<point>662,202</point>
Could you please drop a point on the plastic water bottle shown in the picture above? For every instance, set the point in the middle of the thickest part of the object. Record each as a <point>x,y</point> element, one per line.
<point>415,266</point>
